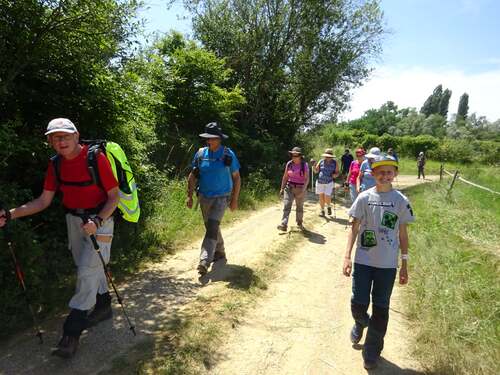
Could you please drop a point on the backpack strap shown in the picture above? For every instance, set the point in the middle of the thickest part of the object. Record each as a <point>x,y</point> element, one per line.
<point>199,156</point>
<point>92,167</point>
<point>56,164</point>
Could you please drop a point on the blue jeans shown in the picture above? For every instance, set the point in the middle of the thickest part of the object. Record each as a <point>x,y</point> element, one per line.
<point>376,283</point>
<point>353,192</point>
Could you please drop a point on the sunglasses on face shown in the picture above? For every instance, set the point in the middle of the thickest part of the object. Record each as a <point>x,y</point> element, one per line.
<point>61,138</point>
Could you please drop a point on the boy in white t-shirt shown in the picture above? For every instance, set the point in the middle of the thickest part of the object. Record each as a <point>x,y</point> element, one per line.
<point>381,215</point>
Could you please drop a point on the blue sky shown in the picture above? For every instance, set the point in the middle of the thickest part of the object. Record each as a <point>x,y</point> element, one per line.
<point>452,42</point>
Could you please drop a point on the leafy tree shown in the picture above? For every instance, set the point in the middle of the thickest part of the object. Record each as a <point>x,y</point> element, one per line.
<point>431,105</point>
<point>463,107</point>
<point>444,102</point>
<point>192,88</point>
<point>434,125</point>
<point>293,59</point>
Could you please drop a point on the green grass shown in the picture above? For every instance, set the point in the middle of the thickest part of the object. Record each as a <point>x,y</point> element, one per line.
<point>454,298</point>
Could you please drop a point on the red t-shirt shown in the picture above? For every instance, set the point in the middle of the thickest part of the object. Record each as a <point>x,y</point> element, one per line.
<point>76,170</point>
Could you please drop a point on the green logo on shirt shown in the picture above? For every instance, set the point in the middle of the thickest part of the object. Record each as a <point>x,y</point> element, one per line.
<point>368,238</point>
<point>389,219</point>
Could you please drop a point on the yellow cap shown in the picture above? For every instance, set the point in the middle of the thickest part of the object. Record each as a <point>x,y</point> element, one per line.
<point>384,160</point>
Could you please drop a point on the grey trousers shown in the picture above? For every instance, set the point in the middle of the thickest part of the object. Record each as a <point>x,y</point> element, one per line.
<point>212,210</point>
<point>290,194</point>
<point>90,273</point>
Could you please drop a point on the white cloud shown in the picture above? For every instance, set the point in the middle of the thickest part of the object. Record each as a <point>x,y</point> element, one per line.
<point>410,88</point>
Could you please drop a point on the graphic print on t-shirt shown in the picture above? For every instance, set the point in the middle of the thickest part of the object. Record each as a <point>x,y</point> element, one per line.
<point>368,238</point>
<point>389,219</point>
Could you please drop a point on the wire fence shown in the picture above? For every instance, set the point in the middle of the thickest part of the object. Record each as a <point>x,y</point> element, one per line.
<point>456,176</point>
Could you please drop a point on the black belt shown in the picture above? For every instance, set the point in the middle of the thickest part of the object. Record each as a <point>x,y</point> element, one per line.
<point>84,211</point>
<point>294,184</point>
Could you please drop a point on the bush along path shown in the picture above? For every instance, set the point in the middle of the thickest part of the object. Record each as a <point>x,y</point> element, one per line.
<point>300,325</point>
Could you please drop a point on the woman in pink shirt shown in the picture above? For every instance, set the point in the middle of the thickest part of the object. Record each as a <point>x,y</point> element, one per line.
<point>354,172</point>
<point>294,186</point>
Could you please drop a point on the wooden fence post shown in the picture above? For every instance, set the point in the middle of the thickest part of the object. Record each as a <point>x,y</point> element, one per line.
<point>453,181</point>
<point>441,173</point>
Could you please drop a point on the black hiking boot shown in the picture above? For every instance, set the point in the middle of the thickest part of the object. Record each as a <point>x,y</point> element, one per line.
<point>99,315</point>
<point>301,226</point>
<point>218,255</point>
<point>203,268</point>
<point>329,210</point>
<point>67,347</point>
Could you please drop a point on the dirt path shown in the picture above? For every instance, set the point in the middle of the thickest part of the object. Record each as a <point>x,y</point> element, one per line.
<point>300,327</point>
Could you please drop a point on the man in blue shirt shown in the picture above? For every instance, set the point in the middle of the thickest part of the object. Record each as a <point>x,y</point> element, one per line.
<point>216,169</point>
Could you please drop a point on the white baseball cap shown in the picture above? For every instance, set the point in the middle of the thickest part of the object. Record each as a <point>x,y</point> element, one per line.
<point>374,152</point>
<point>60,125</point>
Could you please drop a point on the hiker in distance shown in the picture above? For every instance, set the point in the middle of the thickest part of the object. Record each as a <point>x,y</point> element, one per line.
<point>327,170</point>
<point>80,197</point>
<point>346,161</point>
<point>421,165</point>
<point>365,177</point>
<point>293,187</point>
<point>352,176</point>
<point>216,170</point>
<point>391,152</point>
<point>380,217</point>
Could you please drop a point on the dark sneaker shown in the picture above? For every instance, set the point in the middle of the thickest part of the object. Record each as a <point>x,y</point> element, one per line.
<point>322,213</point>
<point>282,227</point>
<point>301,226</point>
<point>356,333</point>
<point>203,268</point>
<point>219,256</point>
<point>99,315</point>
<point>329,210</point>
<point>67,347</point>
<point>369,365</point>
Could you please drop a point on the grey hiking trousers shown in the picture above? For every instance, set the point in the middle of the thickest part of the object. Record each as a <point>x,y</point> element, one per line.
<point>292,193</point>
<point>90,273</point>
<point>212,210</point>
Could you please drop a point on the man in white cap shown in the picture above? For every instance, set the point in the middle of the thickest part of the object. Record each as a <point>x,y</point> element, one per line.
<point>365,177</point>
<point>82,198</point>
<point>421,165</point>
<point>217,171</point>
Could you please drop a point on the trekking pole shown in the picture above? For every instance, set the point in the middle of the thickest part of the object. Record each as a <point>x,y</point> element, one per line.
<point>85,219</point>
<point>312,162</point>
<point>334,210</point>
<point>20,278</point>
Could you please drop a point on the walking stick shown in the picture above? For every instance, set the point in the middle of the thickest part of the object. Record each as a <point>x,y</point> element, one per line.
<point>334,209</point>
<point>20,277</point>
<point>85,219</point>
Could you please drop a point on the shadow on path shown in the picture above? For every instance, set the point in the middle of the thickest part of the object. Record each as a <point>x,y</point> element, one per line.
<point>314,237</point>
<point>238,277</point>
<point>386,367</point>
